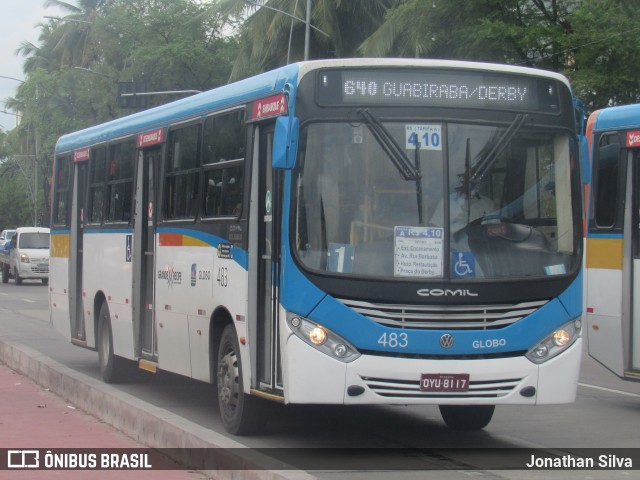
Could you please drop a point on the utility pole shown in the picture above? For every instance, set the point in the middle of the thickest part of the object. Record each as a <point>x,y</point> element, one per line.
<point>307,31</point>
<point>307,22</point>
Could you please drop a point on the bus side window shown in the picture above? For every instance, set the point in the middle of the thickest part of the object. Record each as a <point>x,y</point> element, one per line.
<point>97,183</point>
<point>224,188</point>
<point>120,182</point>
<point>181,180</point>
<point>608,182</point>
<point>223,159</point>
<point>62,191</point>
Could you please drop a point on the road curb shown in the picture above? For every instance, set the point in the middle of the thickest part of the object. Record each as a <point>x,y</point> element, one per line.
<point>145,423</point>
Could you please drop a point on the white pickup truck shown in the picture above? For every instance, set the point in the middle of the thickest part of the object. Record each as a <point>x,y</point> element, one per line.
<point>26,255</point>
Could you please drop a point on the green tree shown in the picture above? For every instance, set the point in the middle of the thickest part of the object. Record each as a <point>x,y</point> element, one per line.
<point>167,44</point>
<point>71,39</point>
<point>524,32</point>
<point>269,37</point>
<point>605,53</point>
<point>39,56</point>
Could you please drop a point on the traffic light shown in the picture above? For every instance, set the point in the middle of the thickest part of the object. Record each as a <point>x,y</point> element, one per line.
<point>127,95</point>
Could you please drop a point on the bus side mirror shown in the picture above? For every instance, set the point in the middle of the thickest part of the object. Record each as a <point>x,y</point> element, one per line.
<point>585,164</point>
<point>285,143</point>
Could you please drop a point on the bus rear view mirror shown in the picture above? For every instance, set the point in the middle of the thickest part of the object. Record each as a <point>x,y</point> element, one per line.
<point>285,143</point>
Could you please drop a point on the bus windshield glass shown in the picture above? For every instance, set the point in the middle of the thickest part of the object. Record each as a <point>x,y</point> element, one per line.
<point>460,201</point>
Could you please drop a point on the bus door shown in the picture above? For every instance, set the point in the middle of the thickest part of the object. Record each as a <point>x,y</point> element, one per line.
<point>613,258</point>
<point>76,309</point>
<point>265,282</point>
<point>144,252</point>
<point>633,230</point>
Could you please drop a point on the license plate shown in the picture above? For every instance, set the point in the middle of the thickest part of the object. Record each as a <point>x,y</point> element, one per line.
<point>444,382</point>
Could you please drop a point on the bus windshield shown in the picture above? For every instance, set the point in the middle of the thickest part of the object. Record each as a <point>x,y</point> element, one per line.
<point>481,201</point>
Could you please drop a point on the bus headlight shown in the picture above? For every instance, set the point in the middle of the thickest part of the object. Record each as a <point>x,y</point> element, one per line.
<point>322,339</point>
<point>557,342</point>
<point>24,258</point>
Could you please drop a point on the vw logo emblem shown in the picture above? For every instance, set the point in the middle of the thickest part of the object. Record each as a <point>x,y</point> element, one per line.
<point>446,341</point>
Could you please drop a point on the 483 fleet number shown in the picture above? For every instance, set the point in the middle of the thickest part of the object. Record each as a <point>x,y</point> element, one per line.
<point>394,340</point>
<point>223,276</point>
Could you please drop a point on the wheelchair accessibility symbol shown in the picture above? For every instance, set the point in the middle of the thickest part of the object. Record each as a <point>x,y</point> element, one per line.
<point>463,264</point>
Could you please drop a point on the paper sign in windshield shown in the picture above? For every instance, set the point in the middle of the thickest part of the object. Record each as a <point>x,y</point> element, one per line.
<point>418,251</point>
<point>428,137</point>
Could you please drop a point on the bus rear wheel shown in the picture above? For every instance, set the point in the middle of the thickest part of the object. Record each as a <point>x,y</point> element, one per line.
<point>467,417</point>
<point>111,366</point>
<point>241,414</point>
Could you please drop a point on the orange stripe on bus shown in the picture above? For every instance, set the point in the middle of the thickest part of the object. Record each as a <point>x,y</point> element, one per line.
<point>170,240</point>
<point>180,240</point>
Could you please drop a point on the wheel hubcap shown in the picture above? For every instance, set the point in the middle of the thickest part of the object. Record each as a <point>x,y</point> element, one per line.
<point>228,380</point>
<point>104,343</point>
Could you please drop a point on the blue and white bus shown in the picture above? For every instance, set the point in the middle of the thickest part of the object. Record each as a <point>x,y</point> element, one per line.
<point>371,231</point>
<point>612,270</point>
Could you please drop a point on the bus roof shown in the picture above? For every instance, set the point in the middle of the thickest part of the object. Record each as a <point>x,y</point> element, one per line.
<point>253,88</point>
<point>617,118</point>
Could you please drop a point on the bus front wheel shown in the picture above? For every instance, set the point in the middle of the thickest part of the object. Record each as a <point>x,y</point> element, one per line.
<point>467,417</point>
<point>111,366</point>
<point>241,413</point>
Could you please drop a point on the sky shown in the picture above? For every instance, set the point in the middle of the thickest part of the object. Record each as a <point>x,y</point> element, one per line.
<point>18,22</point>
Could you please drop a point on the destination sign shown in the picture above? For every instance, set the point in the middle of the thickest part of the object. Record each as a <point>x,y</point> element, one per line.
<point>437,88</point>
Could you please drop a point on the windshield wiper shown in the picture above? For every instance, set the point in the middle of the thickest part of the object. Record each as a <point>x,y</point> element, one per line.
<point>481,166</point>
<point>394,151</point>
<point>418,181</point>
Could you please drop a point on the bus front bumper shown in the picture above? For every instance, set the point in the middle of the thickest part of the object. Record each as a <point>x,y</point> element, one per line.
<point>313,377</point>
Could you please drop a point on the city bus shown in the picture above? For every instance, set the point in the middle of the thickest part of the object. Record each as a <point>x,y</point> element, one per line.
<point>612,270</point>
<point>370,231</point>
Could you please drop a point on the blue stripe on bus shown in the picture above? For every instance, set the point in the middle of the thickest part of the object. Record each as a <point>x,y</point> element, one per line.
<point>605,235</point>
<point>240,255</point>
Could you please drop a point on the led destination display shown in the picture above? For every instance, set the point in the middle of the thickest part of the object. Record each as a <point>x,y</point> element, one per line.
<point>437,88</point>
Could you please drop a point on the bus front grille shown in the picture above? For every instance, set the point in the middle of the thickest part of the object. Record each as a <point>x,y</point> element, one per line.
<point>444,317</point>
<point>393,388</point>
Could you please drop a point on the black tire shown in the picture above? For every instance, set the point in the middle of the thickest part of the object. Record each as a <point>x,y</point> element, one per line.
<point>18,278</point>
<point>5,273</point>
<point>241,414</point>
<point>111,367</point>
<point>467,417</point>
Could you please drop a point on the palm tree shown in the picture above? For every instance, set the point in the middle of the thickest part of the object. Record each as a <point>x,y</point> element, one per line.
<point>270,37</point>
<point>39,56</point>
<point>71,37</point>
<point>405,32</point>
<point>509,31</point>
